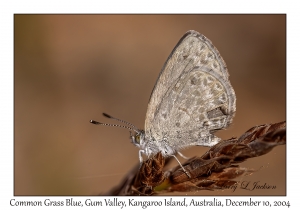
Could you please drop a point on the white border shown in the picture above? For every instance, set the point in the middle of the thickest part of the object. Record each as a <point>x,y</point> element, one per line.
<point>8,8</point>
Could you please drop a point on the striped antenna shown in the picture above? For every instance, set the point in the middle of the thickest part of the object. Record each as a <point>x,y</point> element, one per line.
<point>123,121</point>
<point>107,124</point>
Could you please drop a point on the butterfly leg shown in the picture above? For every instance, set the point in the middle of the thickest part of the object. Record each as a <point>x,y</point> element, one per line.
<point>179,153</point>
<point>141,157</point>
<point>185,171</point>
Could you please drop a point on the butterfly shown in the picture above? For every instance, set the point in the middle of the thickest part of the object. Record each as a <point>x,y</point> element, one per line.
<point>191,100</point>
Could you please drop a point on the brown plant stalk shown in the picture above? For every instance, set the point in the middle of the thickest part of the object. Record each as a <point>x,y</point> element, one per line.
<point>215,169</point>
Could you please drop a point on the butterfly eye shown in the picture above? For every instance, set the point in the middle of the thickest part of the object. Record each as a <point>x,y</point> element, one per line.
<point>138,138</point>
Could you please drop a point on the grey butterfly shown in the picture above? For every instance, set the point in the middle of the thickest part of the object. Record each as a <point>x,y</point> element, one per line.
<point>191,100</point>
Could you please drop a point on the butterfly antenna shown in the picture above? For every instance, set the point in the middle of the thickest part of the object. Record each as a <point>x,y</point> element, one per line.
<point>107,124</point>
<point>123,121</point>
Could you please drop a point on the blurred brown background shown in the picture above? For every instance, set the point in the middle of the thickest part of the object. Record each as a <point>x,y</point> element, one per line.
<point>71,68</point>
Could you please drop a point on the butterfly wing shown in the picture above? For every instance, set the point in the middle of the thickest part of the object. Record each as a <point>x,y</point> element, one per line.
<point>192,96</point>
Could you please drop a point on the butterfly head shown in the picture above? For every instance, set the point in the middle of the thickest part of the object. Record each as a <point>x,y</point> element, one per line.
<point>138,139</point>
